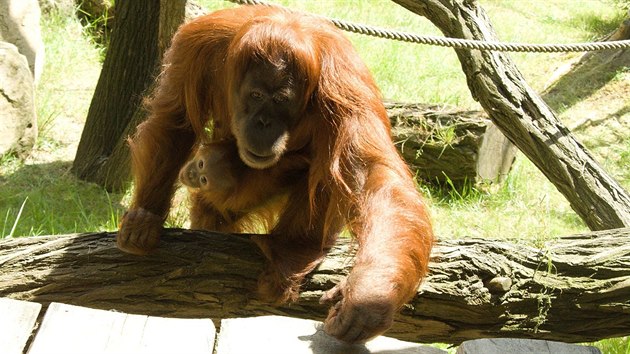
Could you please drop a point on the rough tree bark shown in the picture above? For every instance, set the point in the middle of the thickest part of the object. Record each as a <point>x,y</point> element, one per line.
<point>142,31</point>
<point>572,289</point>
<point>525,118</point>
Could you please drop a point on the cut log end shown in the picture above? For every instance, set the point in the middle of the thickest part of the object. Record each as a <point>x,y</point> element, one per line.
<point>446,147</point>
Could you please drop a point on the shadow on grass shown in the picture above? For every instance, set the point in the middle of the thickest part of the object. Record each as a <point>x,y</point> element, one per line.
<point>593,23</point>
<point>586,78</point>
<point>47,199</point>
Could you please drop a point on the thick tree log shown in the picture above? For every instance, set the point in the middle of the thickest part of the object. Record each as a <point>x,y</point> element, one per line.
<point>572,289</point>
<point>442,144</point>
<point>524,117</point>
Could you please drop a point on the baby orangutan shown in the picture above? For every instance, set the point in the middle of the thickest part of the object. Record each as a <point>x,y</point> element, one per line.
<point>212,176</point>
<point>209,170</point>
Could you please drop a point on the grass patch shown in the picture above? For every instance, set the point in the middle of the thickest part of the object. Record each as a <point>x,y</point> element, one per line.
<point>518,208</point>
<point>71,71</point>
<point>43,199</point>
<point>614,345</point>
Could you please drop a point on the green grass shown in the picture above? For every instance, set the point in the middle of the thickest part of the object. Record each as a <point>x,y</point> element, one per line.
<point>518,208</point>
<point>40,195</point>
<point>70,73</point>
<point>44,197</point>
<point>614,345</point>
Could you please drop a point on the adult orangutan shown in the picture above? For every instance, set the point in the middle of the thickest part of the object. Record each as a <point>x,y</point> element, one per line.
<point>292,136</point>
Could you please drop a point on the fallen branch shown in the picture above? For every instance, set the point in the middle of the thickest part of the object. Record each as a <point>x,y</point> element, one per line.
<point>574,289</point>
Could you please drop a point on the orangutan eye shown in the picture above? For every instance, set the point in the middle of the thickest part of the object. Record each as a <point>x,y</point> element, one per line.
<point>257,95</point>
<point>200,164</point>
<point>203,180</point>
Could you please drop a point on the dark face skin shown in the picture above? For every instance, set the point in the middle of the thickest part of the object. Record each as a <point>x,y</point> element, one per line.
<point>266,109</point>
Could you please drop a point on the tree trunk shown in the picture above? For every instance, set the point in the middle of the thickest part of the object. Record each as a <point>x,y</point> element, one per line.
<point>525,119</point>
<point>448,146</point>
<point>573,289</point>
<point>141,32</point>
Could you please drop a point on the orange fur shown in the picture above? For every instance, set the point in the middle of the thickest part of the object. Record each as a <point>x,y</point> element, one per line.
<point>339,169</point>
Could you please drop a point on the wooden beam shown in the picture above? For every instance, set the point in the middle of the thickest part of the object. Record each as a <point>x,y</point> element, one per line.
<point>77,330</point>
<point>16,324</point>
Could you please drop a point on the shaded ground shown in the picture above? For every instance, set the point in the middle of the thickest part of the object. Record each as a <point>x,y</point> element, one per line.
<point>594,102</point>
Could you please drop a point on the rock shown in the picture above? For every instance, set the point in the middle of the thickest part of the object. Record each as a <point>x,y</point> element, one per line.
<point>18,121</point>
<point>19,24</point>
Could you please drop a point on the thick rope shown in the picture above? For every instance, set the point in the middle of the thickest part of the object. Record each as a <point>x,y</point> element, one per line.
<point>459,43</point>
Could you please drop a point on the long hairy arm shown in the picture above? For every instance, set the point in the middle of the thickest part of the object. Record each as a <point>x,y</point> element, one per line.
<point>378,196</point>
